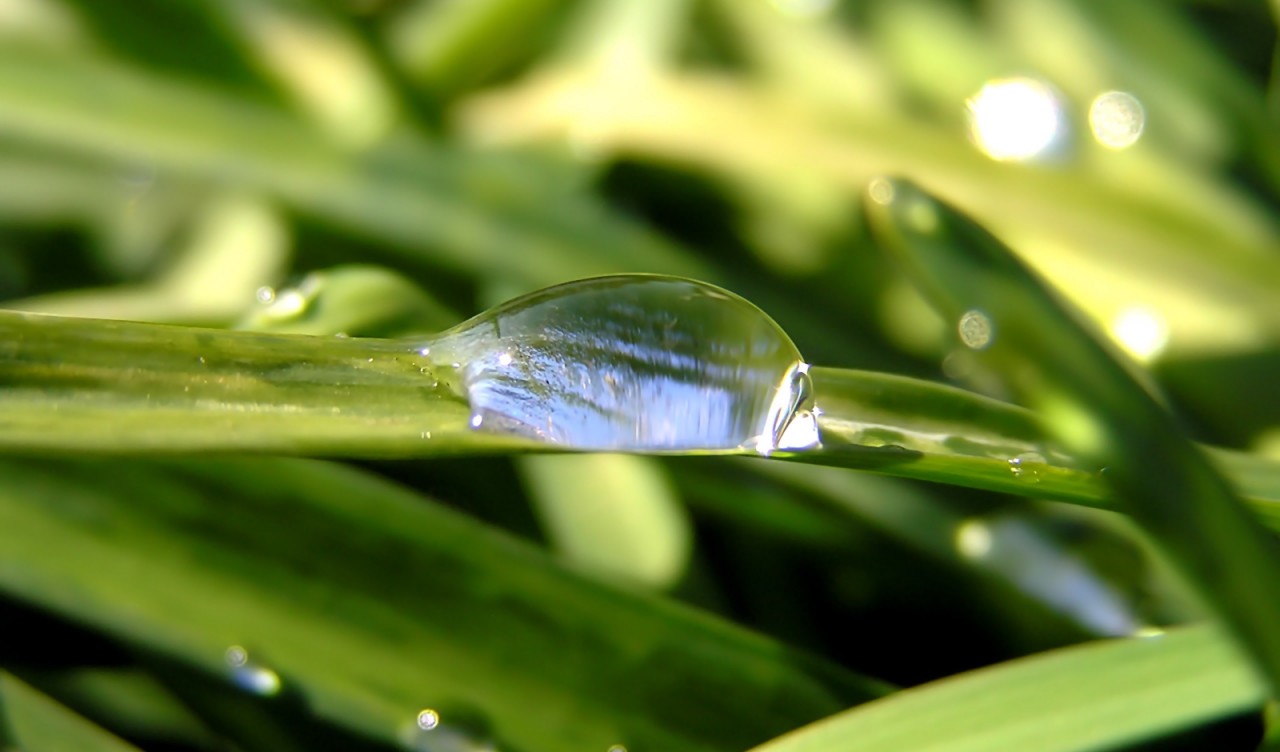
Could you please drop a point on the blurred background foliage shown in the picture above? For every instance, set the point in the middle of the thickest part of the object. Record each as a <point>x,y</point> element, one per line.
<point>388,167</point>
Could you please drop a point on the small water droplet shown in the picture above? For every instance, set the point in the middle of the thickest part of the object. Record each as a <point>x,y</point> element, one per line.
<point>617,748</point>
<point>341,335</point>
<point>425,351</point>
<point>975,329</point>
<point>370,360</point>
<point>428,719</point>
<point>250,676</point>
<point>633,362</point>
<point>201,359</point>
<point>1024,466</point>
<point>265,294</point>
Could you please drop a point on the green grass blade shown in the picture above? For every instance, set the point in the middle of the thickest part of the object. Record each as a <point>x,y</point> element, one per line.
<point>1098,696</point>
<point>116,387</point>
<point>474,214</point>
<point>1095,405</point>
<point>371,603</point>
<point>36,723</point>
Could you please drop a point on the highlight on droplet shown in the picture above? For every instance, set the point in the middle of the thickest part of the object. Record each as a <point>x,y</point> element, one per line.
<point>1116,119</point>
<point>249,676</point>
<point>1015,119</point>
<point>428,719</point>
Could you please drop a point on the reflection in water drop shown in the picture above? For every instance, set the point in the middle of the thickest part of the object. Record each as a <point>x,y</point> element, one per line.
<point>1117,119</point>
<point>428,719</point>
<point>635,362</point>
<point>1015,119</point>
<point>249,676</point>
<point>975,329</point>
<point>1141,331</point>
<point>1024,466</point>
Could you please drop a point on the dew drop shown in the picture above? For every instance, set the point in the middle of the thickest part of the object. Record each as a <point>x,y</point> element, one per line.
<point>633,363</point>
<point>265,294</point>
<point>1024,466</point>
<point>428,719</point>
<point>250,676</point>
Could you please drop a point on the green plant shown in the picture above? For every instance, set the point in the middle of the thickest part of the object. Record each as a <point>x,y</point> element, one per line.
<point>204,194</point>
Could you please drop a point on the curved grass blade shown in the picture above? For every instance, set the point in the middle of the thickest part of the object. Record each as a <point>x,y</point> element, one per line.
<point>369,603</point>
<point>1094,404</point>
<point>1102,695</point>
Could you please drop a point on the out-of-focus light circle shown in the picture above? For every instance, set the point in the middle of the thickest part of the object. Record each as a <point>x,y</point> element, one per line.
<point>1117,119</point>
<point>803,8</point>
<point>973,539</point>
<point>1014,119</point>
<point>1141,331</point>
<point>975,329</point>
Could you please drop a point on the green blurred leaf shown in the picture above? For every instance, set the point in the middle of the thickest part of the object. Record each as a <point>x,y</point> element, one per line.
<point>1103,695</point>
<point>1095,403</point>
<point>36,723</point>
<point>371,603</point>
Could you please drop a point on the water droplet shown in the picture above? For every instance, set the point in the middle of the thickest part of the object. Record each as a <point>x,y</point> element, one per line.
<point>1015,119</point>
<point>975,329</point>
<point>425,351</point>
<point>1024,466</point>
<point>1117,119</point>
<point>250,676</point>
<point>617,748</point>
<point>634,362</point>
<point>341,335</point>
<point>265,294</point>
<point>428,719</point>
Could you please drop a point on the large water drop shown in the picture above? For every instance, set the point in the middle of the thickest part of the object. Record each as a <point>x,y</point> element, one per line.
<point>632,363</point>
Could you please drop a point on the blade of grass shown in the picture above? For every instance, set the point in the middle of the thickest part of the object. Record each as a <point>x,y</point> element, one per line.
<point>36,723</point>
<point>1095,406</point>
<point>369,603</point>
<point>116,387</point>
<point>1102,695</point>
<point>481,215</point>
